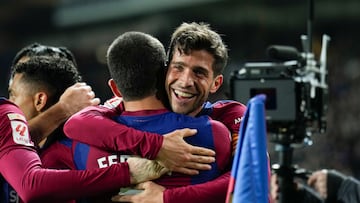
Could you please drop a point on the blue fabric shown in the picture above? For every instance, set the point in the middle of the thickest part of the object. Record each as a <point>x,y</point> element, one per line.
<point>81,155</point>
<point>250,165</point>
<point>167,122</point>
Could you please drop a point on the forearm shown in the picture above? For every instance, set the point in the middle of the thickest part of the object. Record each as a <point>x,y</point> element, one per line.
<point>211,192</point>
<point>42,125</point>
<point>94,126</point>
<point>35,183</point>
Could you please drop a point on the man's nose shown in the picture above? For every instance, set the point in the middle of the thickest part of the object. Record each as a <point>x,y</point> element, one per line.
<point>187,78</point>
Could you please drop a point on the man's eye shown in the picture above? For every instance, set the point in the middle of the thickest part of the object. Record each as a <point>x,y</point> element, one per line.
<point>178,67</point>
<point>200,73</point>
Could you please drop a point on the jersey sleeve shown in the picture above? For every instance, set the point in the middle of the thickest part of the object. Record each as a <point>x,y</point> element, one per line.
<point>33,183</point>
<point>21,167</point>
<point>211,192</point>
<point>94,126</point>
<point>230,113</point>
<point>222,144</point>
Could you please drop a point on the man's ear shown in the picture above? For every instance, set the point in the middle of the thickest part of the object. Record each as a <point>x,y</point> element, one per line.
<point>40,101</point>
<point>115,90</point>
<point>218,81</point>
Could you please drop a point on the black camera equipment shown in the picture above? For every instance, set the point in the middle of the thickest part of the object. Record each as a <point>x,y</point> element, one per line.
<point>295,87</point>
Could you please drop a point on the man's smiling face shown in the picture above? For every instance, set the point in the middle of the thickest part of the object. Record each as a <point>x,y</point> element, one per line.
<point>190,80</point>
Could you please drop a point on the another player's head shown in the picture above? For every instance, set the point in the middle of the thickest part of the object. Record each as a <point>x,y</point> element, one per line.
<point>196,58</point>
<point>136,64</point>
<point>36,49</point>
<point>37,83</point>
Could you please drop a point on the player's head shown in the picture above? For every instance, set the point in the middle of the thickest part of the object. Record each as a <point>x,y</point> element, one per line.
<point>38,83</point>
<point>136,64</point>
<point>36,49</point>
<point>199,36</point>
<point>196,59</point>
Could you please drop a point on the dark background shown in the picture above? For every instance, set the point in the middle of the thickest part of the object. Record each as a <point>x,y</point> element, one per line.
<point>248,27</point>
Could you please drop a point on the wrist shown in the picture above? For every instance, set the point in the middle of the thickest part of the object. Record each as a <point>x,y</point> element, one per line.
<point>62,110</point>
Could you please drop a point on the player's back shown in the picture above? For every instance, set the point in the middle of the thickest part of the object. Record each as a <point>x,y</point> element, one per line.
<point>210,134</point>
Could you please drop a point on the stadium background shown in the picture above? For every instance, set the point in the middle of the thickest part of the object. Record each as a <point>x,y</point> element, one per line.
<point>87,27</point>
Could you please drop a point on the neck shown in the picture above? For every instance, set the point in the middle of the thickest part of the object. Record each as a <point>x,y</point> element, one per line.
<point>148,103</point>
<point>195,112</point>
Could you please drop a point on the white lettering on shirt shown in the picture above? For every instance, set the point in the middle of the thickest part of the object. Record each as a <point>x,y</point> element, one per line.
<point>111,159</point>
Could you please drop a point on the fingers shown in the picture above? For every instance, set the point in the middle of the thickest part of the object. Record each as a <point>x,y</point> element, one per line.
<point>200,159</point>
<point>95,102</point>
<point>186,132</point>
<point>87,91</point>
<point>197,163</point>
<point>311,180</point>
<point>78,84</point>
<point>122,198</point>
<point>318,181</point>
<point>187,171</point>
<point>274,186</point>
<point>143,186</point>
<point>203,154</point>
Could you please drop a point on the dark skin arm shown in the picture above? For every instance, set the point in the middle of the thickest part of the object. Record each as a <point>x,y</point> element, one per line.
<point>71,101</point>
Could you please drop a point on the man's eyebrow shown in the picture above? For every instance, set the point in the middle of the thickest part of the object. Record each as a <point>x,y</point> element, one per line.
<point>178,63</point>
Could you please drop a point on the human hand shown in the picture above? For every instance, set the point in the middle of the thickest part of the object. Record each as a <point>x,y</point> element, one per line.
<point>152,193</point>
<point>142,170</point>
<point>177,155</point>
<point>76,97</point>
<point>274,188</point>
<point>318,180</point>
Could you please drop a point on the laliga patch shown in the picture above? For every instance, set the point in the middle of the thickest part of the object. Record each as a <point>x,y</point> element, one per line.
<point>20,133</point>
<point>15,116</point>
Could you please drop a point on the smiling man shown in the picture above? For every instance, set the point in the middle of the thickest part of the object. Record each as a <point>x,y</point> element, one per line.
<point>196,58</point>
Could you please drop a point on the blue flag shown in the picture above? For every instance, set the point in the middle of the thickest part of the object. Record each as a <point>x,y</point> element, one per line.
<point>249,181</point>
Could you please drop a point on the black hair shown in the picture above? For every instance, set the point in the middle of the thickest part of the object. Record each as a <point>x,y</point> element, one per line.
<point>53,74</point>
<point>199,36</point>
<point>37,49</point>
<point>136,62</point>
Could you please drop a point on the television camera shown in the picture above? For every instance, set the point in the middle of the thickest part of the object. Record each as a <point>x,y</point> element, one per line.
<point>296,90</point>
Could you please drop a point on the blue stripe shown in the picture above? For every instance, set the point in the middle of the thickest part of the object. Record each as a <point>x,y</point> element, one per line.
<point>81,153</point>
<point>66,141</point>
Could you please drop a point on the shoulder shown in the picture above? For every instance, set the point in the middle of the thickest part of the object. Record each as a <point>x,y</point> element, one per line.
<point>222,106</point>
<point>228,112</point>
<point>14,129</point>
<point>229,105</point>
<point>10,112</point>
<point>8,107</point>
<point>96,111</point>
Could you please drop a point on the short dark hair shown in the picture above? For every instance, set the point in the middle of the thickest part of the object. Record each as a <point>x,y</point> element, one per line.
<point>136,62</point>
<point>37,49</point>
<point>53,74</point>
<point>199,36</point>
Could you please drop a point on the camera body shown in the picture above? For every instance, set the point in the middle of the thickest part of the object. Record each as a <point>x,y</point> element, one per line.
<point>292,113</point>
